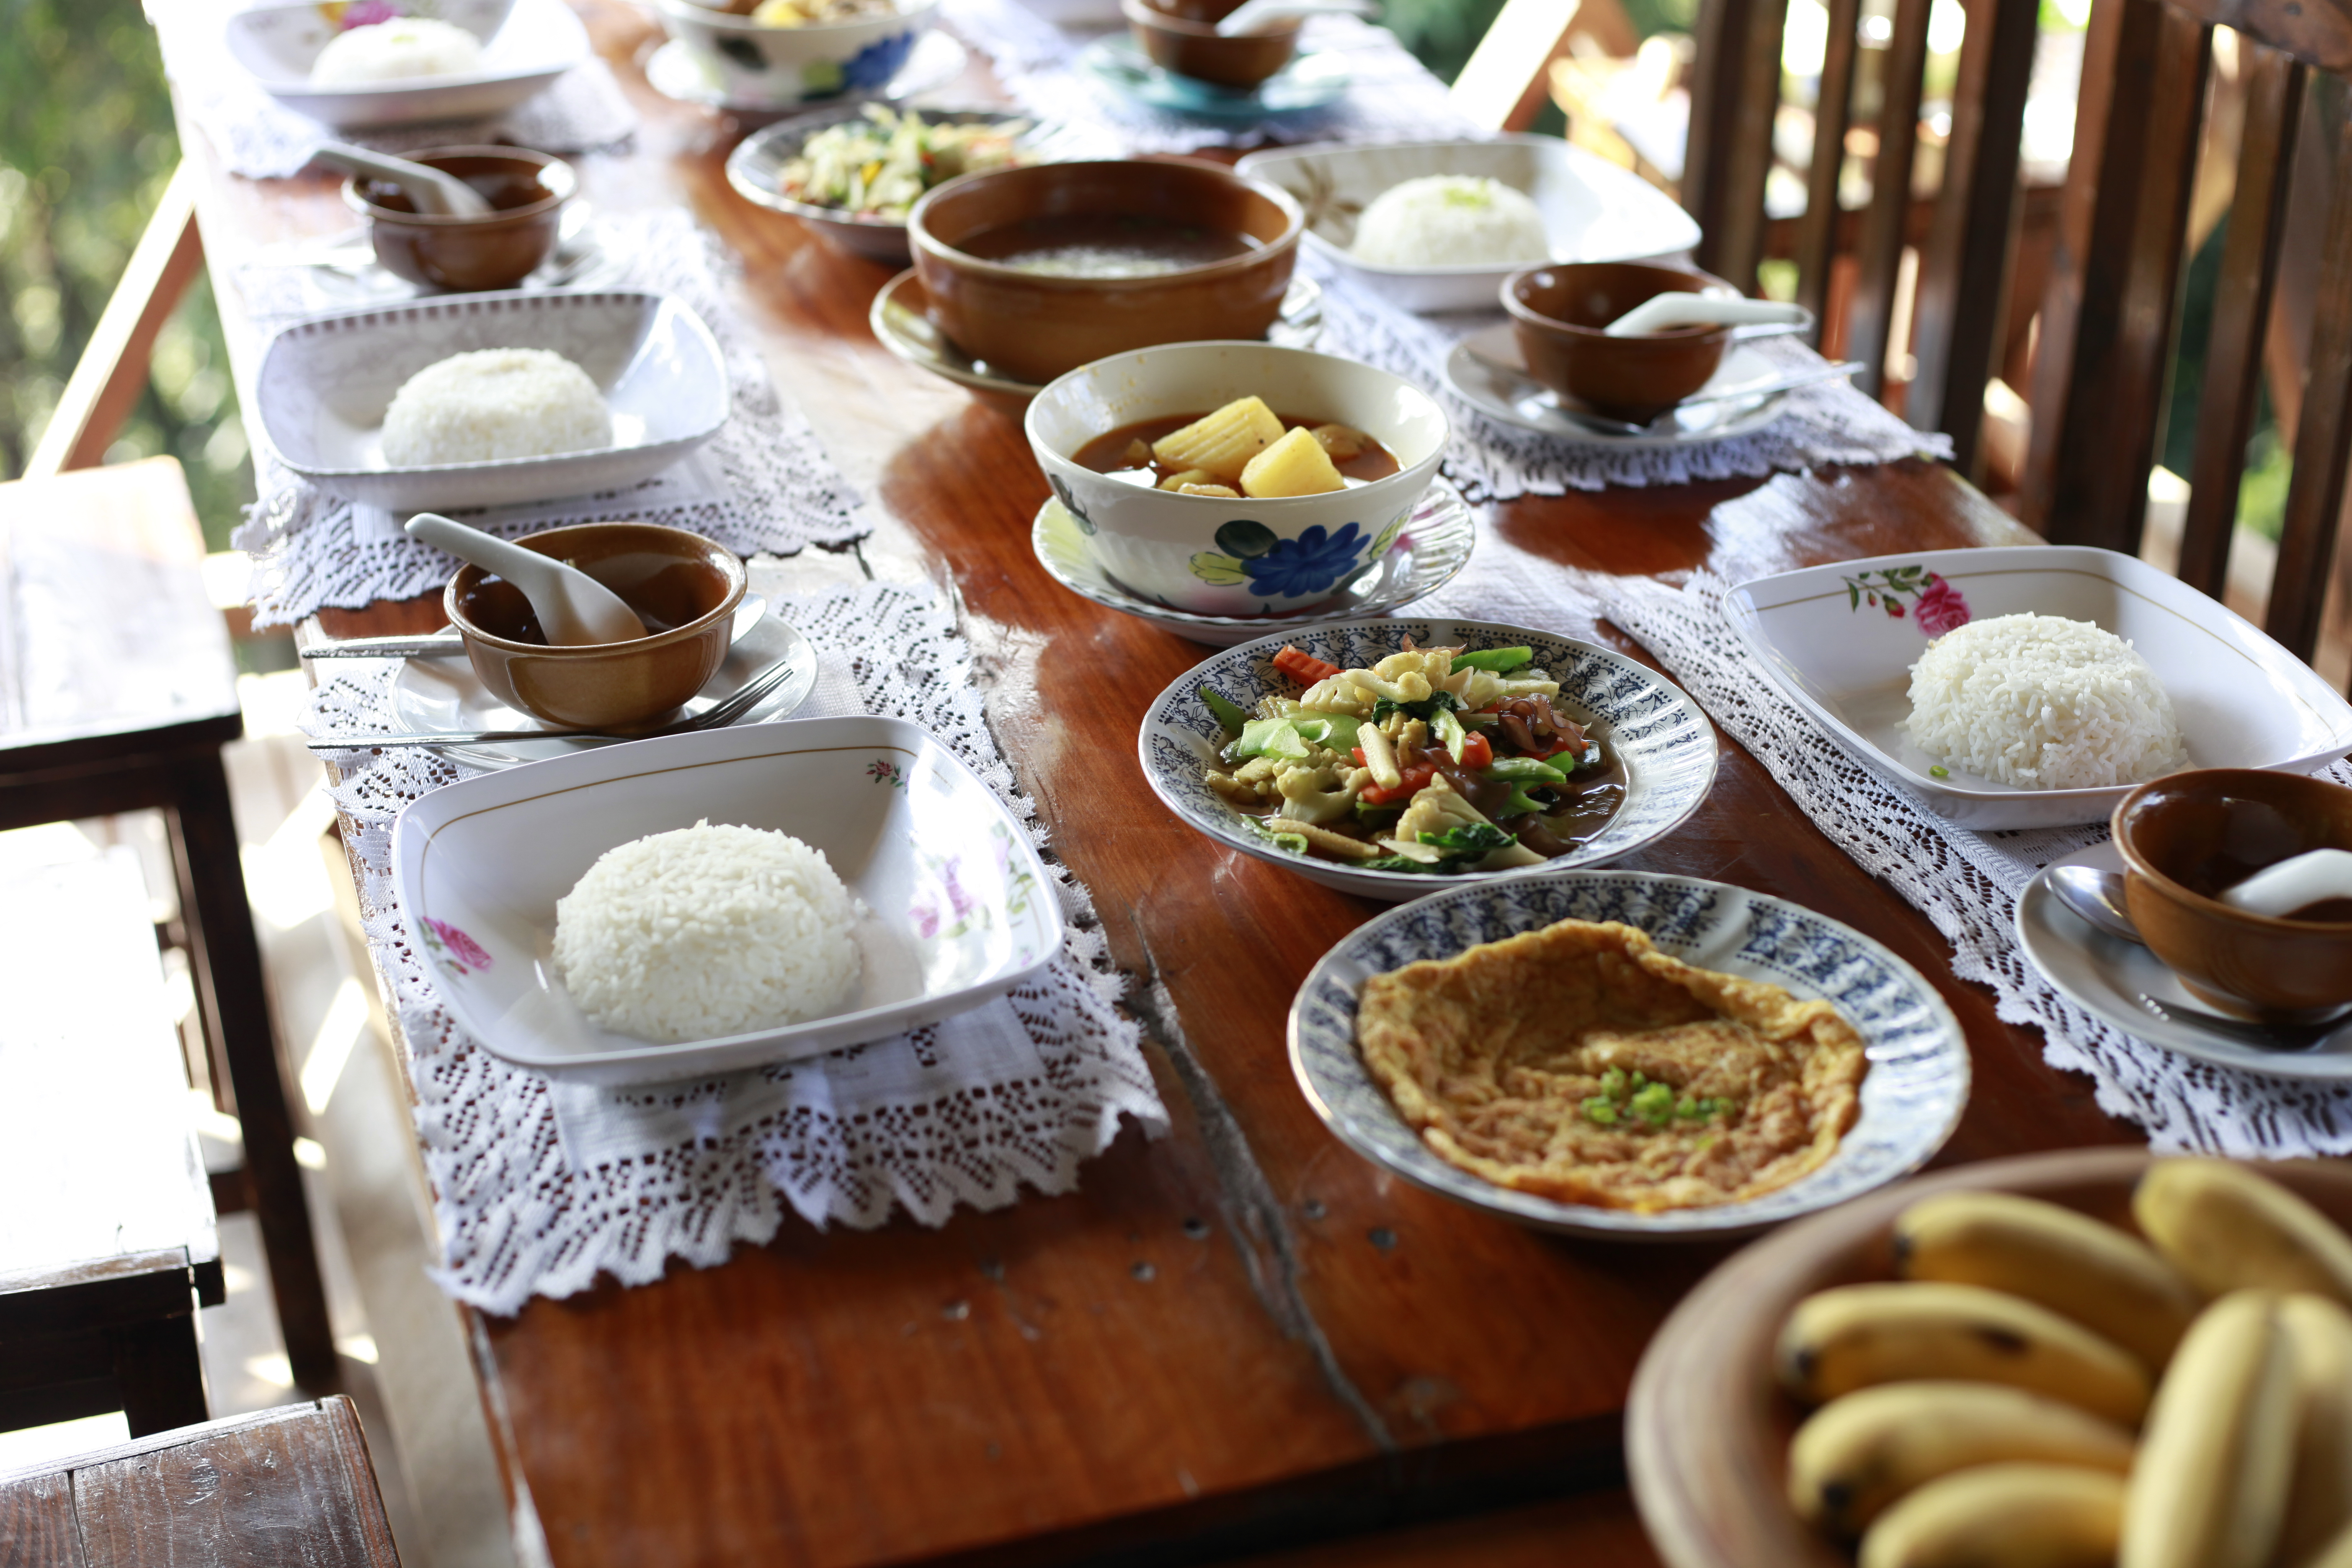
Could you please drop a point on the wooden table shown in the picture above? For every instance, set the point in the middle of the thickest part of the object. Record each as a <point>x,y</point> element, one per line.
<point>1240,1337</point>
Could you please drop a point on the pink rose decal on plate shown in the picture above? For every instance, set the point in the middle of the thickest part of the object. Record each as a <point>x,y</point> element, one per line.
<point>460,952</point>
<point>1940,606</point>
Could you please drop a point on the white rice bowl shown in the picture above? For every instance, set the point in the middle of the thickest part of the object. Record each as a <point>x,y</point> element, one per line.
<point>403,49</point>
<point>2043,702</point>
<point>708,932</point>
<point>494,405</point>
<point>1451,220</point>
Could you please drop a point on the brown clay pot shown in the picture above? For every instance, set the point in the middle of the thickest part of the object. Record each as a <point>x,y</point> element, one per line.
<point>1557,313</point>
<point>1034,327</point>
<point>684,586</point>
<point>468,254</point>
<point>1181,36</point>
<point>2186,838</point>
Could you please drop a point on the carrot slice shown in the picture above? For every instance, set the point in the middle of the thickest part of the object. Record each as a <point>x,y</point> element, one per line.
<point>1304,668</point>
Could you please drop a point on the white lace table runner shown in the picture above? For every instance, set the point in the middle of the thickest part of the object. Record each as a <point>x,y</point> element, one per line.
<point>1967,883</point>
<point>255,135</point>
<point>763,485</point>
<point>536,1190</point>
<point>1389,96</point>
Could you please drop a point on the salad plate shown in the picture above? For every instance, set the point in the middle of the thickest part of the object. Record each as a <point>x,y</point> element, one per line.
<point>1912,1095</point>
<point>1480,370</point>
<point>1309,81</point>
<point>526,44</point>
<point>1435,546</point>
<point>2106,977</point>
<point>1652,729</point>
<point>673,72</point>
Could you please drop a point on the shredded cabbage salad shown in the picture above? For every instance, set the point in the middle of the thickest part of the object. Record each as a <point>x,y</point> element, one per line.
<point>880,166</point>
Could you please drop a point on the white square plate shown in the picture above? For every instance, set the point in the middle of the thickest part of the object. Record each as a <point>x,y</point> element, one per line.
<point>325,384</point>
<point>526,44</point>
<point>957,907</point>
<point>1592,210</point>
<point>2243,701</point>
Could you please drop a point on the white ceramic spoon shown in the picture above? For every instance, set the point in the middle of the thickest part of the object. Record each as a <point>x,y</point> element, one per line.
<point>432,192</point>
<point>1258,15</point>
<point>2279,890</point>
<point>1676,309</point>
<point>573,607</point>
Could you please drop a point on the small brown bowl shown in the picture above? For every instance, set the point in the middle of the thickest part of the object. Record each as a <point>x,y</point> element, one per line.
<point>1180,36</point>
<point>1034,326</point>
<point>2187,836</point>
<point>683,586</point>
<point>1557,313</point>
<point>527,189</point>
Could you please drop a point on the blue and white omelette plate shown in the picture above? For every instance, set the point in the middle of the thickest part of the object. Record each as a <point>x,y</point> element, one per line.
<point>1911,1097</point>
<point>1659,735</point>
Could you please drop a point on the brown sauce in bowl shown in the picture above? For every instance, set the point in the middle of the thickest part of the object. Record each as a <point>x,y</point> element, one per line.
<point>1112,454</point>
<point>1104,245</point>
<point>665,592</point>
<point>506,188</point>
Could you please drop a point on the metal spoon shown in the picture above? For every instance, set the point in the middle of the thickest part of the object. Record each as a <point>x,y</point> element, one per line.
<point>430,189</point>
<point>724,711</point>
<point>2264,1037</point>
<point>449,645</point>
<point>1626,427</point>
<point>2098,896</point>
<point>573,607</point>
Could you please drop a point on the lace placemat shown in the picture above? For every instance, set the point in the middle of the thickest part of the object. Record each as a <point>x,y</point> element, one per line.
<point>1967,883</point>
<point>536,1190</point>
<point>581,111</point>
<point>763,484</point>
<point>1390,97</point>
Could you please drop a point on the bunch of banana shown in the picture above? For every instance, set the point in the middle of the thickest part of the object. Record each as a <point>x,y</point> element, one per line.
<point>1983,1409</point>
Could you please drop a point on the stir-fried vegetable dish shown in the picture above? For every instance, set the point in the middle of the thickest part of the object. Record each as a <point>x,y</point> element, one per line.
<point>1434,760</point>
<point>880,166</point>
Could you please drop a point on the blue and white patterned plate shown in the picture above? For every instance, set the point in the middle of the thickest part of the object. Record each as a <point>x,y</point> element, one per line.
<point>1658,733</point>
<point>1911,1097</point>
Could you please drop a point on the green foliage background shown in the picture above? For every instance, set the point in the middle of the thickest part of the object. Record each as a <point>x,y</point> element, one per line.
<point>86,148</point>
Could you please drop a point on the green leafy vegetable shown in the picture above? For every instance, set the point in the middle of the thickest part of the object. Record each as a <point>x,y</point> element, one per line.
<point>1941,773</point>
<point>1655,1103</point>
<point>1425,708</point>
<point>1500,660</point>
<point>1482,838</point>
<point>1524,771</point>
<point>1449,732</point>
<point>1224,711</point>
<point>1269,738</point>
<point>1601,1111</point>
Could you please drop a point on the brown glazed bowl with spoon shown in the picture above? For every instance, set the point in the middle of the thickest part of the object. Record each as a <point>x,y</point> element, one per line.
<point>1558,314</point>
<point>683,586</point>
<point>1180,36</point>
<point>2186,838</point>
<point>525,191</point>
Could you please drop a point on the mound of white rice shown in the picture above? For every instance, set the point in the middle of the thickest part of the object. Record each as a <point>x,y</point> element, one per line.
<point>2043,702</point>
<point>708,932</point>
<point>493,405</point>
<point>1451,220</point>
<point>402,50</point>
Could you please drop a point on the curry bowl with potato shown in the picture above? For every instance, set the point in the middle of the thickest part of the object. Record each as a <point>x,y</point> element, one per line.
<point>1235,479</point>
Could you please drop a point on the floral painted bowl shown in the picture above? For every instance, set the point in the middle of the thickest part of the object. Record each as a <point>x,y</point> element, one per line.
<point>957,907</point>
<point>755,64</point>
<point>1243,557</point>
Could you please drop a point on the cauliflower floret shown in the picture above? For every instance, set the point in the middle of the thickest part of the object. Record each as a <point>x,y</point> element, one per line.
<point>1320,793</point>
<point>1440,806</point>
<point>1339,694</point>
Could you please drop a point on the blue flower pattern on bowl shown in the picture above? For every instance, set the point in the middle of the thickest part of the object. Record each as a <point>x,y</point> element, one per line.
<point>1310,564</point>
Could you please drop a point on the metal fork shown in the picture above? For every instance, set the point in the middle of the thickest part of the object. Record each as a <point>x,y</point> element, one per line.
<point>724,711</point>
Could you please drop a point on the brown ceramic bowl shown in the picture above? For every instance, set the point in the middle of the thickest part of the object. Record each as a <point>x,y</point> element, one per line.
<point>683,586</point>
<point>468,254</point>
<point>2186,838</point>
<point>1034,326</point>
<point>1706,1427</point>
<point>1181,36</point>
<point>1557,313</point>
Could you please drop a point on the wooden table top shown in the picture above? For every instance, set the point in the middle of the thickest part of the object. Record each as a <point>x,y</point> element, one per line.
<point>1241,1336</point>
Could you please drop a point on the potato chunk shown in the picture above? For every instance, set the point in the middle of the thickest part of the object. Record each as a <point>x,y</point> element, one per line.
<point>1219,491</point>
<point>1295,466</point>
<point>1189,477</point>
<point>1222,442</point>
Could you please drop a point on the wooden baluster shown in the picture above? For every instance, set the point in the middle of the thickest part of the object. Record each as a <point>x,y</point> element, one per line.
<point>1817,231</point>
<point>1735,90</point>
<point>2241,313</point>
<point>1883,223</point>
<point>1964,272</point>
<point>2323,436</point>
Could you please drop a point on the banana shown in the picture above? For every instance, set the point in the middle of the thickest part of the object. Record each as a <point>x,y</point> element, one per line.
<point>2229,1227</point>
<point>2209,1489</point>
<point>1854,1336</point>
<point>2319,1498</point>
<point>2002,1516</point>
<point>1859,1454</point>
<point>2111,1283</point>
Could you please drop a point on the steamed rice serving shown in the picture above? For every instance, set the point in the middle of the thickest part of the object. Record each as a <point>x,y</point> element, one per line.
<point>2043,702</point>
<point>494,404</point>
<point>1451,220</point>
<point>708,932</point>
<point>399,50</point>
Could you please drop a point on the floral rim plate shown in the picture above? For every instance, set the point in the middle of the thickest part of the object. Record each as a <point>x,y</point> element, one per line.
<point>1309,81</point>
<point>1434,545</point>
<point>900,319</point>
<point>1664,743</point>
<point>672,71</point>
<point>957,907</point>
<point>1514,400</point>
<point>2106,976</point>
<point>1911,1098</point>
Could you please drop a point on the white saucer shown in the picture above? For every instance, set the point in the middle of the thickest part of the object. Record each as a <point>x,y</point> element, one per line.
<point>1514,400</point>
<point>439,695</point>
<point>936,60</point>
<point>2106,976</point>
<point>1434,545</point>
<point>342,269</point>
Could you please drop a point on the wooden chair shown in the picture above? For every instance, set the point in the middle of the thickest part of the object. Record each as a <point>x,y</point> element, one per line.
<point>288,1486</point>
<point>2109,320</point>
